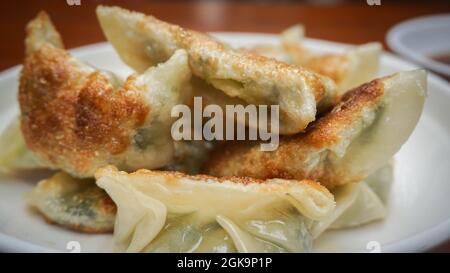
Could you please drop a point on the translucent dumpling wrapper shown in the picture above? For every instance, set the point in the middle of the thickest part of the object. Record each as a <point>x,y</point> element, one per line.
<point>370,203</point>
<point>357,137</point>
<point>172,212</point>
<point>380,182</point>
<point>77,118</point>
<point>77,204</point>
<point>349,69</point>
<point>367,207</point>
<point>344,196</point>
<point>358,203</point>
<point>143,41</point>
<point>15,156</point>
<point>213,96</point>
<point>289,50</point>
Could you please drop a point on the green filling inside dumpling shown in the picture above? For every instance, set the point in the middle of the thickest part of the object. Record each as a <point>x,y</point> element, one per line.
<point>285,231</point>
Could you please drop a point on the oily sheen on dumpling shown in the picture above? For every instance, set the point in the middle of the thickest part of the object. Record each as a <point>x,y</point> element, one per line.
<point>161,211</point>
<point>143,41</point>
<point>77,118</point>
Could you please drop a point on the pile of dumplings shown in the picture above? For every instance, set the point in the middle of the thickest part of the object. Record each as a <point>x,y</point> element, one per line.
<point>119,170</point>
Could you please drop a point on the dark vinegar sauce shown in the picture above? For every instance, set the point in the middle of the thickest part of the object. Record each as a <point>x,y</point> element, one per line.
<point>442,58</point>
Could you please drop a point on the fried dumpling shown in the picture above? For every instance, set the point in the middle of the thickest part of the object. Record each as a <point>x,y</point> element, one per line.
<point>142,41</point>
<point>77,118</point>
<point>289,50</point>
<point>358,136</point>
<point>171,212</point>
<point>349,69</point>
<point>77,204</point>
<point>15,156</point>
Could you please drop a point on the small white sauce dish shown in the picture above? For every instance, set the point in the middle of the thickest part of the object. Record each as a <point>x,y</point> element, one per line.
<point>420,39</point>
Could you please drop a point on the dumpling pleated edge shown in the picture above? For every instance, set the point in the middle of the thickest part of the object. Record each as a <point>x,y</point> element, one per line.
<point>143,205</point>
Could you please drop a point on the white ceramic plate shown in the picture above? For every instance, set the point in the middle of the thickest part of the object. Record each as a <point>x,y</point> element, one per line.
<point>419,38</point>
<point>419,206</point>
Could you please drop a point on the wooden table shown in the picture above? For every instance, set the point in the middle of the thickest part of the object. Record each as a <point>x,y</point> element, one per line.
<point>350,22</point>
<point>346,21</point>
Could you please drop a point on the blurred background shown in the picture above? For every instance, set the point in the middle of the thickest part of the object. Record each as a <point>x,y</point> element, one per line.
<point>347,21</point>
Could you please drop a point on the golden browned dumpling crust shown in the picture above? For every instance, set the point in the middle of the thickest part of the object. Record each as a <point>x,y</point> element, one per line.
<point>358,136</point>
<point>70,115</point>
<point>77,118</point>
<point>76,204</point>
<point>348,69</point>
<point>143,40</point>
<point>291,158</point>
